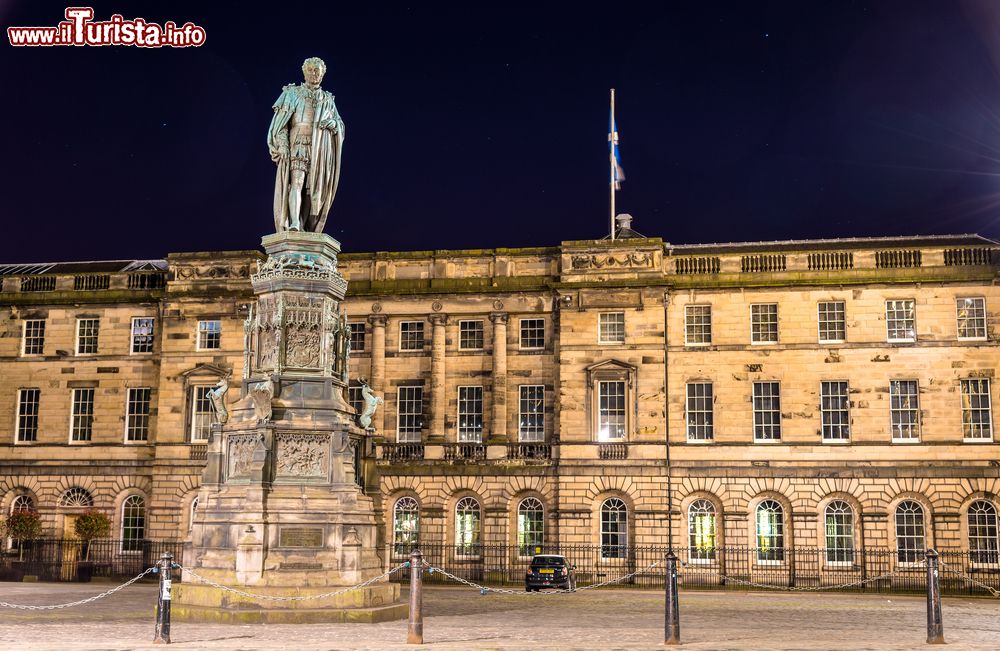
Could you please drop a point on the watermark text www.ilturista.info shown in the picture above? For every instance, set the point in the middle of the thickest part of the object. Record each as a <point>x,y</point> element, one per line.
<point>81,29</point>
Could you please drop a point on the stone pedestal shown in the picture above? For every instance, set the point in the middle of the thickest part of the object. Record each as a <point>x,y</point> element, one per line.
<point>281,511</point>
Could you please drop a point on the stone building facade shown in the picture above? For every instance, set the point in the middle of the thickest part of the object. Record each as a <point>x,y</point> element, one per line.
<point>828,393</point>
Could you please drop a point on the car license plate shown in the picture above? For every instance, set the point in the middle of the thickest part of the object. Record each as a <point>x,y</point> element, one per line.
<point>546,571</point>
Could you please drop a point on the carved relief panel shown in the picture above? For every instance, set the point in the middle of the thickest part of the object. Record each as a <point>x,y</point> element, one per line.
<point>302,456</point>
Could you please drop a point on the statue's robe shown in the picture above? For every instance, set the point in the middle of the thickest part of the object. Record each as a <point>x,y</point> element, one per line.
<point>324,165</point>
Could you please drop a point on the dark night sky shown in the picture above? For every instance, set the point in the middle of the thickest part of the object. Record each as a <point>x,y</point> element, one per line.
<point>478,127</point>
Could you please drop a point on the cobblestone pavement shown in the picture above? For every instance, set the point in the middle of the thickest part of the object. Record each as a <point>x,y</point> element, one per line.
<point>457,618</point>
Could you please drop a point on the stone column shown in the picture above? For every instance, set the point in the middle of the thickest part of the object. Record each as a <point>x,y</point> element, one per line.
<point>498,430</point>
<point>439,400</point>
<point>377,380</point>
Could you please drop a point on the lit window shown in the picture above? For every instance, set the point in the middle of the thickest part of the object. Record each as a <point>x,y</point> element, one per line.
<point>411,335</point>
<point>87,331</point>
<point>701,531</point>
<point>832,322</point>
<point>209,335</point>
<point>405,525</point>
<point>700,417</point>
<point>470,414</point>
<point>470,335</point>
<point>142,335</point>
<point>698,325</point>
<point>971,314</point>
<point>983,536</point>
<point>904,410</point>
<point>409,414</point>
<point>76,498</point>
<point>27,415</point>
<point>34,337</point>
<point>202,414</point>
<point>137,415</point>
<point>611,328</point>
<point>614,528</point>
<point>532,334</point>
<point>839,525</point>
<point>82,422</point>
<point>530,526</point>
<point>909,532</point>
<point>133,523</point>
<point>900,322</point>
<point>764,323</point>
<point>977,416</point>
<point>467,518</point>
<point>770,532</point>
<point>611,416</point>
<point>766,411</point>
<point>834,407</point>
<point>531,413</point>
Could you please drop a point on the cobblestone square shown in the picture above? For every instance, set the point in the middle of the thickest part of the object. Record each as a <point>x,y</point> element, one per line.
<point>459,618</point>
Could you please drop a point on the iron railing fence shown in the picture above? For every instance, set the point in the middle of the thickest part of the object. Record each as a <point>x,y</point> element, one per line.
<point>876,570</point>
<point>74,560</point>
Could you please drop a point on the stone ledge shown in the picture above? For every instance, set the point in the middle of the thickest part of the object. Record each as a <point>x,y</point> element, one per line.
<point>183,612</point>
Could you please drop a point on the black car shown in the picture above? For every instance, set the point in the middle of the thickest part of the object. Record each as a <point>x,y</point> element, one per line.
<point>550,571</point>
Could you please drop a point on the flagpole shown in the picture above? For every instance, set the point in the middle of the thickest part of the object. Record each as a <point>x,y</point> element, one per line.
<point>611,154</point>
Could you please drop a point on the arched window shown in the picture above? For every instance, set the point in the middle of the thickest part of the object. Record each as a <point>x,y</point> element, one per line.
<point>467,518</point>
<point>405,525</point>
<point>193,511</point>
<point>76,497</point>
<point>770,532</point>
<point>133,523</point>
<point>614,528</point>
<point>983,546</point>
<point>839,527</point>
<point>910,539</point>
<point>530,526</point>
<point>701,531</point>
<point>22,503</point>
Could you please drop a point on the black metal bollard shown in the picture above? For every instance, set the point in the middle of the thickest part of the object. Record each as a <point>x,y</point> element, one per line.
<point>672,614</point>
<point>935,624</point>
<point>415,633</point>
<point>162,634</point>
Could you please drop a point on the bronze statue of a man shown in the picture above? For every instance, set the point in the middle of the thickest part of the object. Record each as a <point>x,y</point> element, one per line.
<point>305,140</point>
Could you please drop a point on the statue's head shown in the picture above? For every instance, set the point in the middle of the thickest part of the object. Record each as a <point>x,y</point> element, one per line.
<point>313,70</point>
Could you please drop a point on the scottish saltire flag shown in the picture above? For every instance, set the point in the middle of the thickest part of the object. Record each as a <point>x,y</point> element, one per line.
<point>617,173</point>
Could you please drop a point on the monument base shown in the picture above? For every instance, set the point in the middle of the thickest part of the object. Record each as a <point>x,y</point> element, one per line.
<point>204,603</point>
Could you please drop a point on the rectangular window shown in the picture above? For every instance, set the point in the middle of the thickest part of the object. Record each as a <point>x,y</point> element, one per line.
<point>971,314</point>
<point>202,414</point>
<point>698,325</point>
<point>142,335</point>
<point>531,413</point>
<point>27,415</point>
<point>611,410</point>
<point>764,323</point>
<point>87,331</point>
<point>700,418</point>
<point>832,322</point>
<point>611,328</point>
<point>357,337</point>
<point>900,320</point>
<point>411,335</point>
<point>904,410</point>
<point>409,414</point>
<point>977,416</point>
<point>82,422</point>
<point>470,335</point>
<point>355,399</point>
<point>766,411</point>
<point>209,335</point>
<point>34,337</point>
<point>137,415</point>
<point>470,414</point>
<point>834,407</point>
<point>532,334</point>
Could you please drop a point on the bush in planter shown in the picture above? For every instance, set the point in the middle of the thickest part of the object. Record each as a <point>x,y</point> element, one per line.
<point>22,526</point>
<point>89,526</point>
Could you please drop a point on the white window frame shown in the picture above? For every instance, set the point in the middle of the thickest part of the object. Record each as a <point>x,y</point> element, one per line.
<point>614,505</point>
<point>520,334</point>
<point>920,553</point>
<point>689,315</point>
<point>978,528</point>
<point>423,336</point>
<point>757,322</point>
<point>892,410</point>
<point>470,434</point>
<point>476,543</point>
<point>73,415</point>
<point>689,411</point>
<point>754,410</point>
<point>900,340</point>
<point>409,436</point>
<point>145,524</point>
<point>968,410</point>
<point>364,335</point>
<point>958,321</point>
<point>482,334</point>
<point>18,415</point>
<point>206,331</point>
<point>820,321</point>
<point>192,426</point>
<point>129,414</point>
<point>355,398</point>
<point>779,509</point>
<point>409,505</point>
<point>24,338</point>
<point>605,325</point>
<point>533,435</point>
<point>701,508</point>
<point>528,505</point>
<point>624,412</point>
<point>152,335</point>
<point>97,343</point>
<point>846,411</point>
<point>842,507</point>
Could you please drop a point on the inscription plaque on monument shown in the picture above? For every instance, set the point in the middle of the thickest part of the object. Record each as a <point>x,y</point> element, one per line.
<point>300,537</point>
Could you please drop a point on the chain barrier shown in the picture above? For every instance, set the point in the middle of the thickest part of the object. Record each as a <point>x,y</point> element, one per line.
<point>324,595</point>
<point>485,589</point>
<point>817,588</point>
<point>108,593</point>
<point>961,574</point>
